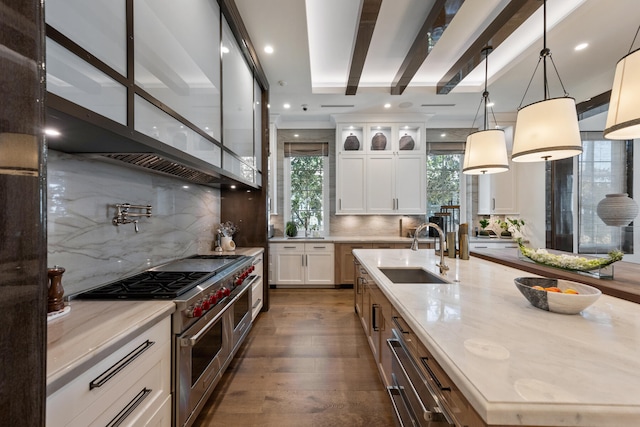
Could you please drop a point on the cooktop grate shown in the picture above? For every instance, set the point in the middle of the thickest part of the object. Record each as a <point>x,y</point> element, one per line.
<point>150,285</point>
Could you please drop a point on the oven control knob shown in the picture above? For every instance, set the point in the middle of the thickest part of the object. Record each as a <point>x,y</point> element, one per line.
<point>205,304</point>
<point>195,311</point>
<point>226,292</point>
<point>239,280</point>
<point>213,299</point>
<point>219,294</point>
<point>253,267</point>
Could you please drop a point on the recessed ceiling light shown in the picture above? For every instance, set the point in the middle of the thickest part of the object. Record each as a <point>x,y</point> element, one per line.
<point>225,49</point>
<point>233,187</point>
<point>295,135</point>
<point>51,132</point>
<point>581,46</point>
<point>387,105</point>
<point>268,49</point>
<point>287,105</point>
<point>442,135</point>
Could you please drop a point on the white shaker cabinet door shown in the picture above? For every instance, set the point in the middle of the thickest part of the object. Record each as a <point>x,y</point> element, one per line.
<point>350,184</point>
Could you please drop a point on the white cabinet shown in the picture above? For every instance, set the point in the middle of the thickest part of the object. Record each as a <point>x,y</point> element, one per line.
<point>497,193</point>
<point>303,264</point>
<point>396,184</point>
<point>383,174</point>
<point>493,244</point>
<point>130,387</point>
<point>350,184</point>
<point>257,287</point>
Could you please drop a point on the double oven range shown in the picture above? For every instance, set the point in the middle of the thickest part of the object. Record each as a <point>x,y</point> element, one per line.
<point>212,294</point>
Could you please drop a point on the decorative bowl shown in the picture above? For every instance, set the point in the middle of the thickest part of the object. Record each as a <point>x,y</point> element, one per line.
<point>557,302</point>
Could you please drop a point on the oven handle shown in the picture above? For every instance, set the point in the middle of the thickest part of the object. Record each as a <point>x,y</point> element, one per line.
<point>190,341</point>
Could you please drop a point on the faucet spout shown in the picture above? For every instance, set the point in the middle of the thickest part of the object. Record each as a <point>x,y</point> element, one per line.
<point>414,245</point>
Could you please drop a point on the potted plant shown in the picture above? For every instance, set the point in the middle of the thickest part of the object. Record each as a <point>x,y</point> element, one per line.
<point>504,225</point>
<point>291,230</point>
<point>484,223</point>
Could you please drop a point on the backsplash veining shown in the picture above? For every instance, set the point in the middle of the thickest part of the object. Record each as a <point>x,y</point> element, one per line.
<point>81,199</point>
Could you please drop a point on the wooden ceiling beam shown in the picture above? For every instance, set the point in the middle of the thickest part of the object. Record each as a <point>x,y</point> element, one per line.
<point>366,25</point>
<point>511,17</point>
<point>438,18</point>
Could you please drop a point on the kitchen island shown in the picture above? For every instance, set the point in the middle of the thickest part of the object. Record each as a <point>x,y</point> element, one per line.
<point>514,363</point>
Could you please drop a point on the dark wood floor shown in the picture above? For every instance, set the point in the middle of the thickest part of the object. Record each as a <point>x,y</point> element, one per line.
<point>306,362</point>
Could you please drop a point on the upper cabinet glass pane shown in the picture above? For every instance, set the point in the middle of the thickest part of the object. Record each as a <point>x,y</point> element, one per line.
<point>73,79</point>
<point>177,58</point>
<point>237,98</point>
<point>100,27</point>
<point>257,114</point>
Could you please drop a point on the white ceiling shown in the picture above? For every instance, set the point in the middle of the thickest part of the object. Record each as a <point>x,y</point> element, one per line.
<point>327,28</point>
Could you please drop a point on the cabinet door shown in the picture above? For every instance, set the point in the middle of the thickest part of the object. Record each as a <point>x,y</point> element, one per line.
<point>350,184</point>
<point>497,193</point>
<point>380,184</point>
<point>319,268</point>
<point>345,262</point>
<point>289,268</point>
<point>410,182</point>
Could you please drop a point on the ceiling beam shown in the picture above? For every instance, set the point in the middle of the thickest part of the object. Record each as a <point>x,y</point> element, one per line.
<point>511,17</point>
<point>366,25</point>
<point>438,18</point>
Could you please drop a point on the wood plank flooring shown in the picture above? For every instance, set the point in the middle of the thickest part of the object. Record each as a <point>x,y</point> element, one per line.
<point>306,362</point>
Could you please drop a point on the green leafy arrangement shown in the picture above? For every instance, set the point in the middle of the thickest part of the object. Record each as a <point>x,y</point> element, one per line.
<point>569,262</point>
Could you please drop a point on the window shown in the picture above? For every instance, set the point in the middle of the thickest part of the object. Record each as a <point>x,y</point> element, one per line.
<point>446,185</point>
<point>306,185</point>
<point>603,169</point>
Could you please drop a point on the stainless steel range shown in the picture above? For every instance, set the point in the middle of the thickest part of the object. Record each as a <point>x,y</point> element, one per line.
<point>212,294</point>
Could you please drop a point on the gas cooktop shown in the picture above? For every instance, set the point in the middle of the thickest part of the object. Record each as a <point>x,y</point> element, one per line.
<point>167,281</point>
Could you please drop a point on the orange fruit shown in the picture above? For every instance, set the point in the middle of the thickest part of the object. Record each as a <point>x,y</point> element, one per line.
<point>538,287</point>
<point>553,289</point>
<point>570,291</point>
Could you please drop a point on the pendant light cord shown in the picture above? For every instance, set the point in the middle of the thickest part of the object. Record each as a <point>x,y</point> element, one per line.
<point>485,94</point>
<point>634,39</point>
<point>544,53</point>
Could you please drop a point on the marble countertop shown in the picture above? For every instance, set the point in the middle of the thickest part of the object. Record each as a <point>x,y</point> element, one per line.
<point>516,364</point>
<point>89,332</point>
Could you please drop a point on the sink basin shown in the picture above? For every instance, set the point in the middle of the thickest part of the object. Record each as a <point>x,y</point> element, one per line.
<point>411,275</point>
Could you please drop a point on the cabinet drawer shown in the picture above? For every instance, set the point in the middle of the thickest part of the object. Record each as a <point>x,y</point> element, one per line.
<point>318,247</point>
<point>287,247</point>
<point>102,391</point>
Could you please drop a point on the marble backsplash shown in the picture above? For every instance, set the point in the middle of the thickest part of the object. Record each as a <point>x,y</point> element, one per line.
<point>81,199</point>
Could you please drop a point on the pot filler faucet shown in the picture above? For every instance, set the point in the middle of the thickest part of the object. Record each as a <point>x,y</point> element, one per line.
<point>414,246</point>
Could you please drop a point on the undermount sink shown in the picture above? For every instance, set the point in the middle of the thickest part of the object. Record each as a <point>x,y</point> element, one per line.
<point>411,275</point>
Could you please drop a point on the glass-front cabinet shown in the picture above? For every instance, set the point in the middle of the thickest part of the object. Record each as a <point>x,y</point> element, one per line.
<point>160,76</point>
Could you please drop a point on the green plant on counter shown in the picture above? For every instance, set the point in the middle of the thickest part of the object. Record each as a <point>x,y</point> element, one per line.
<point>484,223</point>
<point>291,230</point>
<point>510,225</point>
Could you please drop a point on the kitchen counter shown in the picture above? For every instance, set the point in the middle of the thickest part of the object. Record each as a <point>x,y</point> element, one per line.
<point>82,338</point>
<point>380,239</point>
<point>516,364</point>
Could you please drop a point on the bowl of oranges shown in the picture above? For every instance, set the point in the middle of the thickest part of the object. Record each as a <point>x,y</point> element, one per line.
<point>557,295</point>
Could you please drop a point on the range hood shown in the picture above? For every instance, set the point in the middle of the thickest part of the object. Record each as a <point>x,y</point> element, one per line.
<point>102,139</point>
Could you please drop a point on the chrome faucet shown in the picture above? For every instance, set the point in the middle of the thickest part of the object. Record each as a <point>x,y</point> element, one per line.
<point>414,246</point>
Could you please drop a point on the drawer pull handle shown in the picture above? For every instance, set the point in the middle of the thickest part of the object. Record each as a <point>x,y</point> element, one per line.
<point>120,365</point>
<point>131,406</point>
<point>433,374</point>
<point>396,320</point>
<point>257,303</point>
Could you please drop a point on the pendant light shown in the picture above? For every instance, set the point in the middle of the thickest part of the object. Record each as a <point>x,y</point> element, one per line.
<point>486,150</point>
<point>547,129</point>
<point>623,118</point>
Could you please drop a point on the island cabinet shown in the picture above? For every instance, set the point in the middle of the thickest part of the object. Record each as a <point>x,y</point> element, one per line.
<point>130,386</point>
<point>375,312</point>
<point>303,264</point>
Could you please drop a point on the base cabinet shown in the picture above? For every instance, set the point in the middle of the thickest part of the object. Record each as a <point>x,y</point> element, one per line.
<point>303,264</point>
<point>130,387</point>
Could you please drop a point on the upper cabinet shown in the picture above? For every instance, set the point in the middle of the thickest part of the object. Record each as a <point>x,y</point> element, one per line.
<point>381,168</point>
<point>497,193</point>
<point>156,78</point>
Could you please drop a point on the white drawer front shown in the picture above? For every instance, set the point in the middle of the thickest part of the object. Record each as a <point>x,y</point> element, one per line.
<point>149,366</point>
<point>318,247</point>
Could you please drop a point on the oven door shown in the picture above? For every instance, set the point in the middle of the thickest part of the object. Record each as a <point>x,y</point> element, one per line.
<point>201,354</point>
<point>242,313</point>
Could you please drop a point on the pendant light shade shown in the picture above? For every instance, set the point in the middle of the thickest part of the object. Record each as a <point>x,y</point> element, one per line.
<point>485,153</point>
<point>547,130</point>
<point>623,118</point>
